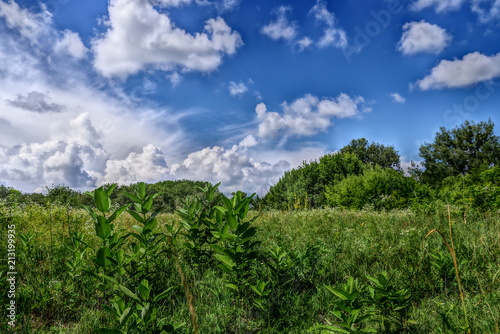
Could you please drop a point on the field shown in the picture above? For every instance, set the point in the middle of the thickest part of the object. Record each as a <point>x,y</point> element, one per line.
<point>295,280</point>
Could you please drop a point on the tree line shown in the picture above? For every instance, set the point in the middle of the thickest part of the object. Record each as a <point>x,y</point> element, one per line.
<point>170,196</point>
<point>460,167</point>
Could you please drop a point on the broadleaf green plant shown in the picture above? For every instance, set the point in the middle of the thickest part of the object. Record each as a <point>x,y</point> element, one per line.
<point>236,248</point>
<point>350,309</point>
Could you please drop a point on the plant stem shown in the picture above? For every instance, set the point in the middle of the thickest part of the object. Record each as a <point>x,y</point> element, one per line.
<point>455,264</point>
<point>189,296</point>
<point>451,249</point>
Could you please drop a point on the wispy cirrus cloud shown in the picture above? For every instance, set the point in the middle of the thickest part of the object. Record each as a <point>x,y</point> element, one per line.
<point>286,29</point>
<point>438,5</point>
<point>487,10</point>
<point>333,35</point>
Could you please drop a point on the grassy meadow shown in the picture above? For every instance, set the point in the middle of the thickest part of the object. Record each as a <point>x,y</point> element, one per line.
<point>291,285</point>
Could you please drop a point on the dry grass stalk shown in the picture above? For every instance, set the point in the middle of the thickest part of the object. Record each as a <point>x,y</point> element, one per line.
<point>451,249</point>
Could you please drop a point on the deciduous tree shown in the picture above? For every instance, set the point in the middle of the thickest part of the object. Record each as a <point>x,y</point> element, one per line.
<point>468,148</point>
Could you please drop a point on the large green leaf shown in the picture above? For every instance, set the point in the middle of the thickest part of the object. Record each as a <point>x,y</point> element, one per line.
<point>140,238</point>
<point>242,228</point>
<point>150,224</point>
<point>240,206</point>
<point>138,228</point>
<point>144,289</point>
<point>141,190</point>
<point>129,293</point>
<point>148,204</point>
<point>133,197</point>
<point>219,215</point>
<point>125,315</point>
<point>163,294</point>
<point>218,249</point>
<point>111,311</point>
<point>112,280</point>
<point>102,227</point>
<point>339,293</point>
<point>231,220</point>
<point>136,216</point>
<point>102,200</point>
<point>90,212</point>
<point>226,260</point>
<point>102,256</point>
<point>146,313</point>
<point>118,212</point>
<point>227,203</point>
<point>110,189</point>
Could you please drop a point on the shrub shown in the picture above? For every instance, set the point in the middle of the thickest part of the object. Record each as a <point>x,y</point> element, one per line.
<point>377,187</point>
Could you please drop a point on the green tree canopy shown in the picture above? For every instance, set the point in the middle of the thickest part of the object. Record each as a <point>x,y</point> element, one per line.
<point>170,193</point>
<point>305,186</point>
<point>468,148</point>
<point>380,188</point>
<point>296,185</point>
<point>373,154</point>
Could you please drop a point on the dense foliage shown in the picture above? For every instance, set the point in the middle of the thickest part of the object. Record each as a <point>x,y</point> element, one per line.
<point>216,267</point>
<point>378,188</point>
<point>460,167</point>
<point>170,195</point>
<point>373,154</point>
<point>466,149</point>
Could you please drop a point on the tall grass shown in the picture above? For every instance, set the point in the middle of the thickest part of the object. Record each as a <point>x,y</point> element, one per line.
<point>323,247</point>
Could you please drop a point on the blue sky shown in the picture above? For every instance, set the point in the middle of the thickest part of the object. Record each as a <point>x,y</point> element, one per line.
<point>93,92</point>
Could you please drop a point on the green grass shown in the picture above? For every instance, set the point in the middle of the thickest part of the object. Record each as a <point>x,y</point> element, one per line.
<point>325,248</point>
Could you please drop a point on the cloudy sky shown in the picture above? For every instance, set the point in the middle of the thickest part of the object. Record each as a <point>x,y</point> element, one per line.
<point>238,91</point>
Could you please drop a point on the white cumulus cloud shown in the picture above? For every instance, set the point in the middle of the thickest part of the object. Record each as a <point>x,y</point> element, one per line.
<point>281,28</point>
<point>232,167</point>
<point>423,37</point>
<point>308,115</point>
<point>139,36</point>
<point>59,124</point>
<point>74,161</point>
<point>149,166</point>
<point>471,69</point>
<point>71,44</point>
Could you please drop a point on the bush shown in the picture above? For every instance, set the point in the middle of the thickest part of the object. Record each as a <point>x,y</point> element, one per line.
<point>481,191</point>
<point>377,187</point>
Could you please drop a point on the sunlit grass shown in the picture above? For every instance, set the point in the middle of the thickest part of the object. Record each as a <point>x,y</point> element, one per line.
<point>326,247</point>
